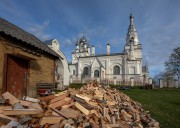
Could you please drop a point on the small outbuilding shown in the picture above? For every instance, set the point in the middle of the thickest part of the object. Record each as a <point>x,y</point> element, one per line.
<point>24,61</point>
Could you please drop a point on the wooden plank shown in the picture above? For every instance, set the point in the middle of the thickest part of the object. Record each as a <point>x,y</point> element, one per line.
<point>20,111</point>
<point>30,99</point>
<point>81,108</point>
<point>108,118</point>
<point>58,103</point>
<point>112,125</point>
<point>78,99</point>
<point>70,113</point>
<point>50,120</point>
<point>58,98</point>
<point>12,99</point>
<point>94,125</point>
<point>54,114</point>
<point>125,113</point>
<point>94,104</point>
<point>46,98</point>
<point>35,106</point>
<point>67,99</point>
<point>68,105</point>
<point>99,94</point>
<point>102,122</point>
<point>105,111</point>
<point>25,103</point>
<point>48,112</point>
<point>95,113</point>
<point>5,107</point>
<point>83,97</point>
<point>58,112</point>
<point>113,119</point>
<point>6,119</point>
<point>110,109</point>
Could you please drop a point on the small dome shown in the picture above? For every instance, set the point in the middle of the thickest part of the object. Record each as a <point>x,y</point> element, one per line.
<point>83,39</point>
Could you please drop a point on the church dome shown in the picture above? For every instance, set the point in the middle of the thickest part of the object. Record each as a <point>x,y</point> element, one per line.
<point>83,39</point>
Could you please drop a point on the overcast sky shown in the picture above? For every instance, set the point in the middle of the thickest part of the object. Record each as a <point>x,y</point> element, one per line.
<point>102,21</point>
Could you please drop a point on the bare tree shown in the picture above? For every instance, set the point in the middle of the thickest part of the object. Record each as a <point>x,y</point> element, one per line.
<point>172,66</point>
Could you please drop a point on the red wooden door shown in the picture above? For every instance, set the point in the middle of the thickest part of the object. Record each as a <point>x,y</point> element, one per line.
<point>16,78</point>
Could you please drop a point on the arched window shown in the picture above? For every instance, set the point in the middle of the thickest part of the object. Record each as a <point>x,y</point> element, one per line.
<point>116,70</point>
<point>85,71</point>
<point>132,70</point>
<point>96,73</point>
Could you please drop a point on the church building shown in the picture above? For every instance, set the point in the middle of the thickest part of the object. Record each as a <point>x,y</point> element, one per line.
<point>117,68</point>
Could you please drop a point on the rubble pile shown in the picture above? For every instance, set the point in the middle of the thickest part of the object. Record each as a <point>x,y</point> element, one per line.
<point>91,106</point>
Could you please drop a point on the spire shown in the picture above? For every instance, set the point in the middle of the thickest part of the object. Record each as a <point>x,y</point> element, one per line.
<point>131,17</point>
<point>132,32</point>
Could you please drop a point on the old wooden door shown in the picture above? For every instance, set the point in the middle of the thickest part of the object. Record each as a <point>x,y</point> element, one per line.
<point>16,78</point>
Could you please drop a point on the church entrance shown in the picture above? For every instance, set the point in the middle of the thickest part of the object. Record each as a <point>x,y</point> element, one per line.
<point>96,73</point>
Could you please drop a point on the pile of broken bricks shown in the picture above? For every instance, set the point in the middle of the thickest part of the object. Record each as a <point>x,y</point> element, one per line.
<point>91,106</point>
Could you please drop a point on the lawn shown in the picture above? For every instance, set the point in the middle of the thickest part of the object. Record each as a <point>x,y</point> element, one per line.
<point>163,104</point>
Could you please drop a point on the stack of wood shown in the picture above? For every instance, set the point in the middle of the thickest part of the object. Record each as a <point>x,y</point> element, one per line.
<point>91,106</point>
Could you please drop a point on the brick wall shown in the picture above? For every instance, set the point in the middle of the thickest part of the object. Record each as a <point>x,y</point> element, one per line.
<point>41,68</point>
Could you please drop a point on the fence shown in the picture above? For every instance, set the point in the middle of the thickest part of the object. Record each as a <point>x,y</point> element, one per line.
<point>108,81</point>
<point>121,82</point>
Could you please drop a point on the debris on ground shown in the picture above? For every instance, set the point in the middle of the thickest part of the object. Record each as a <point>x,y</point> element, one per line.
<point>91,106</point>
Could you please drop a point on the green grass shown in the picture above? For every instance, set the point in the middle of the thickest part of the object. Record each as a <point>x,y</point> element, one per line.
<point>75,85</point>
<point>163,104</point>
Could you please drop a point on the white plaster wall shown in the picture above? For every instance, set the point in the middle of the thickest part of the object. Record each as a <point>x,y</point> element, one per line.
<point>63,64</point>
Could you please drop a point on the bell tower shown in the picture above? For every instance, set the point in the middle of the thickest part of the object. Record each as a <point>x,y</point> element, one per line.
<point>82,49</point>
<point>133,46</point>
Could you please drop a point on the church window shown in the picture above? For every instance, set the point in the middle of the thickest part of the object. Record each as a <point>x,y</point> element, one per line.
<point>116,70</point>
<point>73,72</point>
<point>96,73</point>
<point>86,71</point>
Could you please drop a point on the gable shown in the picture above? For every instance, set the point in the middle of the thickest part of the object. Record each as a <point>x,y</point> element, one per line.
<point>96,63</point>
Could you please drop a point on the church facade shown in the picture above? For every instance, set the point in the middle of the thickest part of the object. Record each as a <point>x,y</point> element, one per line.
<point>117,67</point>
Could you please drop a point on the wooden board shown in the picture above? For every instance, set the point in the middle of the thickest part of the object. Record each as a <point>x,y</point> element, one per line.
<point>81,108</point>
<point>6,119</point>
<point>58,112</point>
<point>94,124</point>
<point>35,106</point>
<point>58,98</point>
<point>57,104</point>
<point>12,99</point>
<point>68,105</point>
<point>83,97</point>
<point>50,120</point>
<point>70,113</point>
<point>20,111</point>
<point>25,103</point>
<point>46,98</point>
